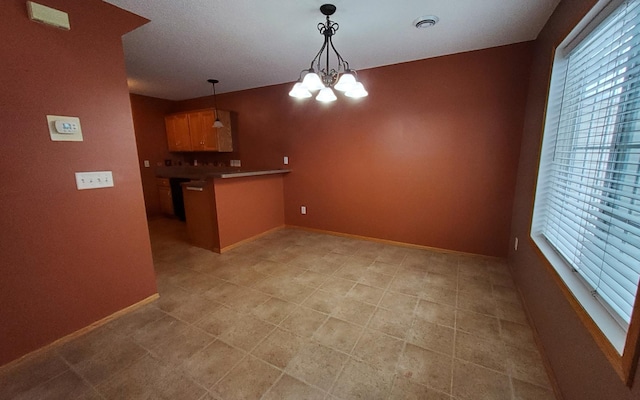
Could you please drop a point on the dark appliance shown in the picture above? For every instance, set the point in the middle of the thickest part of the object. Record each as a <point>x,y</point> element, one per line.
<point>176,195</point>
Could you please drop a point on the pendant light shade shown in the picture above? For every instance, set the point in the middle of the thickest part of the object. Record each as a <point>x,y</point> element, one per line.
<point>217,123</point>
<point>312,82</point>
<point>357,92</point>
<point>346,82</point>
<point>326,95</point>
<point>339,77</point>
<point>299,91</point>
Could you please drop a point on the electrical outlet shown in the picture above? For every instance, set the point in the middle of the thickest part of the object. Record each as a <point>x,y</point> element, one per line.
<point>285,160</point>
<point>303,210</point>
<point>146,163</point>
<point>515,244</point>
<point>94,180</point>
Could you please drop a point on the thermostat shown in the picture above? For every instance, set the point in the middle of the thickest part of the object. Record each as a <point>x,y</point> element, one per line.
<point>66,126</point>
<point>63,128</point>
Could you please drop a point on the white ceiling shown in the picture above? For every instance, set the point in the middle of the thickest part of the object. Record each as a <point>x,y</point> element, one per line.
<point>250,43</point>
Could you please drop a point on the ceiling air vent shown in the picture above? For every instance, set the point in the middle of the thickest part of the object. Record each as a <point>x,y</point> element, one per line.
<point>426,21</point>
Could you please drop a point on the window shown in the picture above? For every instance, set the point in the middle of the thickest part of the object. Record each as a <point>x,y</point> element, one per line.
<point>587,207</point>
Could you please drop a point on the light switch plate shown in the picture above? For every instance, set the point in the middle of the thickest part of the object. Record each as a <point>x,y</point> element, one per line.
<point>94,180</point>
<point>285,160</point>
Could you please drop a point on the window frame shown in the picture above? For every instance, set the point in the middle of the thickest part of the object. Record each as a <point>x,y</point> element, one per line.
<point>577,293</point>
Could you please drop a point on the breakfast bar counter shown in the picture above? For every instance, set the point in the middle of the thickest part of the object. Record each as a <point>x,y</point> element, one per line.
<point>225,208</point>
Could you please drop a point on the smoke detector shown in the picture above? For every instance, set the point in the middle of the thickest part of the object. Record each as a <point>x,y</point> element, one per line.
<point>426,22</point>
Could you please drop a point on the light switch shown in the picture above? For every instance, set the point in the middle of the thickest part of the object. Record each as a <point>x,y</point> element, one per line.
<point>94,180</point>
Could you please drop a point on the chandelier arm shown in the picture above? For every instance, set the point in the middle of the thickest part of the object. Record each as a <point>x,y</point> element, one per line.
<point>319,55</point>
<point>341,61</point>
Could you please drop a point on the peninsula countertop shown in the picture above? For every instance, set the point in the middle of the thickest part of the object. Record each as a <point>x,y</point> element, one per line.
<point>209,172</point>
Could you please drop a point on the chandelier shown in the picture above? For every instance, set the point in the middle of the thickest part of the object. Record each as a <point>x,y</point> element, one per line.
<point>341,78</point>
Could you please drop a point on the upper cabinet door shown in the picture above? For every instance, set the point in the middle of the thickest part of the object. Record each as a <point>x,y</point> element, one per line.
<point>194,131</point>
<point>178,137</point>
<point>201,126</point>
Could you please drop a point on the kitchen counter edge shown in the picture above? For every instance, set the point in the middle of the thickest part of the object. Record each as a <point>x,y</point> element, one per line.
<point>220,174</point>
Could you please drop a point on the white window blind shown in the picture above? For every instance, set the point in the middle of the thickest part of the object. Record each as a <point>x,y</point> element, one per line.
<point>588,197</point>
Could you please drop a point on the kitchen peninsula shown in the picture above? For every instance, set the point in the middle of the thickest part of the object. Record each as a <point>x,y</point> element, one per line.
<point>226,207</point>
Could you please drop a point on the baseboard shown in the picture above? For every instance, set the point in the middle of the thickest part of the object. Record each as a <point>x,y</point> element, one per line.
<point>395,243</point>
<point>80,332</point>
<point>251,239</point>
<point>536,338</point>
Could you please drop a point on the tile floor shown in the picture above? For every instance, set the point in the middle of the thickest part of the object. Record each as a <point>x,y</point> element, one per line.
<point>299,315</point>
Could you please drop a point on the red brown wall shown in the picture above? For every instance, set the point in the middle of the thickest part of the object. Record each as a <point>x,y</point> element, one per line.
<point>68,257</point>
<point>247,207</point>
<point>428,158</point>
<point>148,121</point>
<point>582,371</point>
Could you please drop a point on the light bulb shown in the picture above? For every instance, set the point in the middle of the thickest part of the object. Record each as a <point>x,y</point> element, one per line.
<point>326,95</point>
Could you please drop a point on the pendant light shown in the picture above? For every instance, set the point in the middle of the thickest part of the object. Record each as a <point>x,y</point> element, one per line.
<point>217,123</point>
<point>326,78</point>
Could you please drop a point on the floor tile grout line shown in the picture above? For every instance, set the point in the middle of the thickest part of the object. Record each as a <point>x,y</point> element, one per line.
<point>455,330</point>
<point>249,354</point>
<point>366,326</point>
<point>272,385</point>
<point>404,341</point>
<point>335,379</point>
<point>111,376</point>
<point>70,368</point>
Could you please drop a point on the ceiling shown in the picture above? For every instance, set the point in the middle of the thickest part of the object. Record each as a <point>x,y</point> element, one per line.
<point>250,43</point>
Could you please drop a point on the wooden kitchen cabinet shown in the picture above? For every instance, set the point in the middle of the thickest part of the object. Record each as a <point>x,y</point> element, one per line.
<point>164,194</point>
<point>194,131</point>
<point>204,137</point>
<point>178,137</point>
